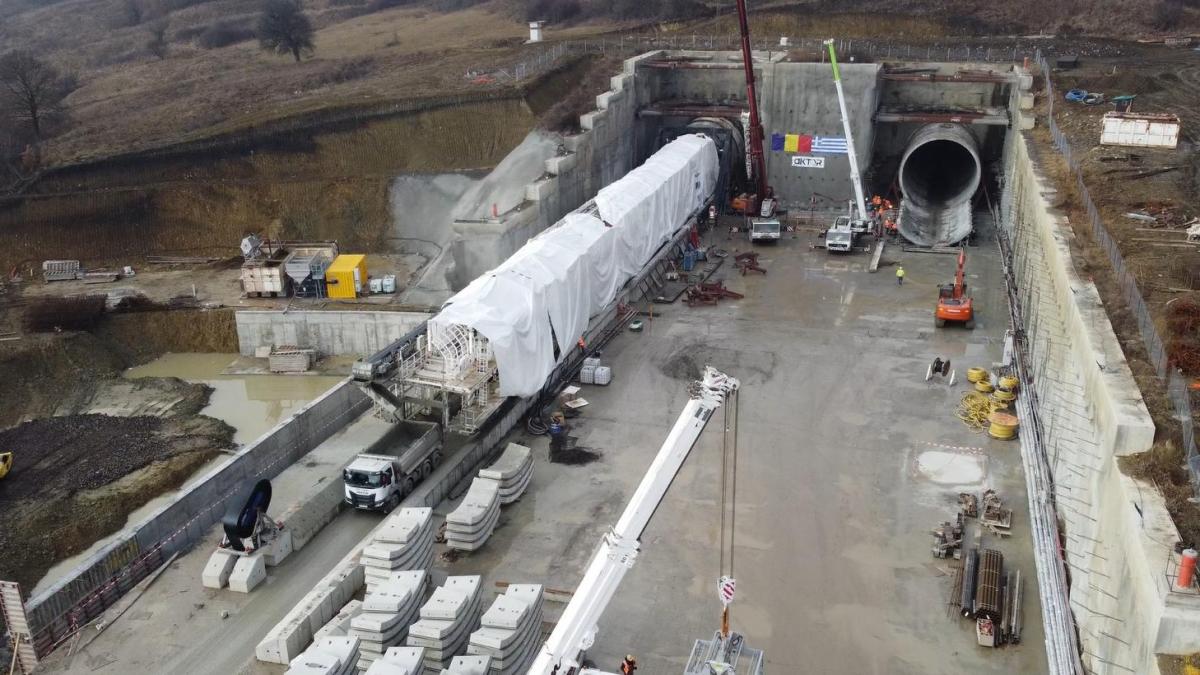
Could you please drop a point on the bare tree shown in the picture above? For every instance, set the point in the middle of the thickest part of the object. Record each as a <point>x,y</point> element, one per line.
<point>32,89</point>
<point>283,28</point>
<point>158,38</point>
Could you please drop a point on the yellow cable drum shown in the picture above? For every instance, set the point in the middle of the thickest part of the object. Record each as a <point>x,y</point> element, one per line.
<point>984,387</point>
<point>1002,426</point>
<point>1004,395</point>
<point>1009,382</point>
<point>978,375</point>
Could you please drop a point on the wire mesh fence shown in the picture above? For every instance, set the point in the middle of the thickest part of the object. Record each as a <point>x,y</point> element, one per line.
<point>550,55</point>
<point>1156,351</point>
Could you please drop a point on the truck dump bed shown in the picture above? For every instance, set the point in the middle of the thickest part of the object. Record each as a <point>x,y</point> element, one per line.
<point>409,443</point>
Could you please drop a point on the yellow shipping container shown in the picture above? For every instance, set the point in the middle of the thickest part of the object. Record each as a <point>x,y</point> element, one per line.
<point>346,277</point>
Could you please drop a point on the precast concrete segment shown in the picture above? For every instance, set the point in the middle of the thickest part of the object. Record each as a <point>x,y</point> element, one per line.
<point>939,174</point>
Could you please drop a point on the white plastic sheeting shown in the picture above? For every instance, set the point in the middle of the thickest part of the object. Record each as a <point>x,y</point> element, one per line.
<point>549,289</point>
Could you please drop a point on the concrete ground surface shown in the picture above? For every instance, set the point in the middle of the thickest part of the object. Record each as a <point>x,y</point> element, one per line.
<point>847,459</point>
<point>176,625</point>
<point>841,449</point>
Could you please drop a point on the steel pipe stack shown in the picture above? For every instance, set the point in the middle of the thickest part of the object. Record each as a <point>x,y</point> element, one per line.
<point>967,601</point>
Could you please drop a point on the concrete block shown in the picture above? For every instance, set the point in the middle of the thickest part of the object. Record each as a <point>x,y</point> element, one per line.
<point>541,190</point>
<point>216,572</point>
<point>602,100</point>
<point>1025,122</point>
<point>559,165</point>
<point>248,572</point>
<point>280,548</point>
<point>469,665</point>
<point>285,641</point>
<point>320,612</point>
<point>580,140</point>
<point>1025,102</point>
<point>339,625</point>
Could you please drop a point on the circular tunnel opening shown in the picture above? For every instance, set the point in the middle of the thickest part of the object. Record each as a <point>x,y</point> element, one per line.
<point>939,171</point>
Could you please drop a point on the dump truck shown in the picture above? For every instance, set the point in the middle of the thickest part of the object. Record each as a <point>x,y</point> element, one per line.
<point>378,479</point>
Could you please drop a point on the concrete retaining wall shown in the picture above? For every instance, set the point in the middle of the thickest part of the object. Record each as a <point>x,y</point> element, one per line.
<point>604,151</point>
<point>1117,530</point>
<point>332,333</point>
<point>795,98</point>
<point>185,521</point>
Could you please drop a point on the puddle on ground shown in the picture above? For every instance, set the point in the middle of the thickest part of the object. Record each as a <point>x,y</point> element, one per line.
<point>951,468</point>
<point>250,403</point>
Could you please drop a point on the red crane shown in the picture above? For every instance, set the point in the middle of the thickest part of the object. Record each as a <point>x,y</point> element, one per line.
<point>758,163</point>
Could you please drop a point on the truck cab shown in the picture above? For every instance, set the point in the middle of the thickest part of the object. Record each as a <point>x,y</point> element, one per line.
<point>839,238</point>
<point>765,230</point>
<point>371,483</point>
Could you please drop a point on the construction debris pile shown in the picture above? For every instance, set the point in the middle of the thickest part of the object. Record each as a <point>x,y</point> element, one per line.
<point>403,542</point>
<point>511,630</point>
<point>980,589</point>
<point>447,620</point>
<point>469,526</point>
<point>387,611</point>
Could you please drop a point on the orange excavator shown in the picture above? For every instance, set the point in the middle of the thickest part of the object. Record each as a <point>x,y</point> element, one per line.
<point>953,302</point>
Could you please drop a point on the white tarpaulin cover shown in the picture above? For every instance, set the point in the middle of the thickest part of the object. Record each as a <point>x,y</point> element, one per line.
<point>548,290</point>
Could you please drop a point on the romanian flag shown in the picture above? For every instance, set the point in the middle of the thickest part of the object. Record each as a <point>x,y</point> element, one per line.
<point>797,143</point>
<point>777,142</point>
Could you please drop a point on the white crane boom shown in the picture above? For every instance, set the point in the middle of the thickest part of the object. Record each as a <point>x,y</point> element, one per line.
<point>859,202</point>
<point>576,630</point>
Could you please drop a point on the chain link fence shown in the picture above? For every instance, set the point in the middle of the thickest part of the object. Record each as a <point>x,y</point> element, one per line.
<point>549,56</point>
<point>1156,351</point>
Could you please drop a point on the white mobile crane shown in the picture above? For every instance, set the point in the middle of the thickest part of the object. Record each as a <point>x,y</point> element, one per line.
<point>845,229</point>
<point>576,630</point>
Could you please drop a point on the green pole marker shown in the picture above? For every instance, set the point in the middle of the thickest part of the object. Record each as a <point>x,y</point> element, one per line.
<point>837,76</point>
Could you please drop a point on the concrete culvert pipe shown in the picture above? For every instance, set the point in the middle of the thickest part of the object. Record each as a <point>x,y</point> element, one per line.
<point>939,174</point>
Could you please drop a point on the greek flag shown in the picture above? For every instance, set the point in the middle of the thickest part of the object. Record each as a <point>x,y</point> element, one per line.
<point>830,145</point>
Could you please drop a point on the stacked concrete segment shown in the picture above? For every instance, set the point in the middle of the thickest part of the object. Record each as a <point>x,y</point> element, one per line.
<point>468,665</point>
<point>327,656</point>
<point>399,661</point>
<point>511,630</point>
<point>469,526</point>
<point>447,620</point>
<point>403,542</point>
<point>387,612</point>
<point>512,470</point>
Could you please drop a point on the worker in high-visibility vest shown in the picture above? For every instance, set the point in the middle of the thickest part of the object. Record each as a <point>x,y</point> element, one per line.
<point>899,275</point>
<point>876,203</point>
<point>629,665</point>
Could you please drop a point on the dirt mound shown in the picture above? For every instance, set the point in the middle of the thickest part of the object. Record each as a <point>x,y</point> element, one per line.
<point>75,479</point>
<point>574,457</point>
<point>688,362</point>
